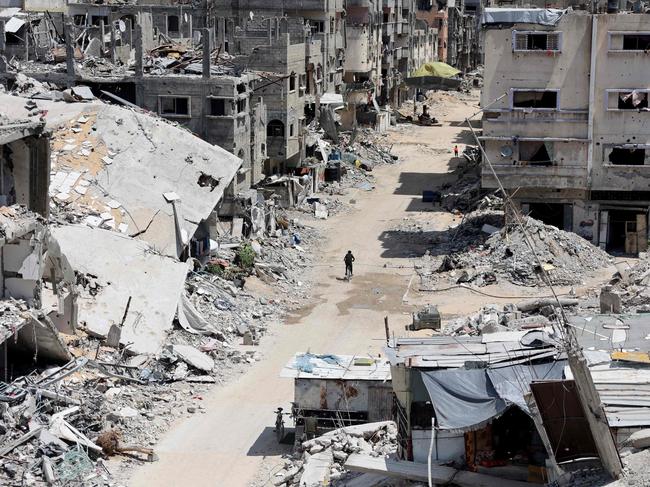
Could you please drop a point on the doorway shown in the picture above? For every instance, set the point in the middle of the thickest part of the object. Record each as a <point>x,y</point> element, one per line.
<point>555,214</point>
<point>626,231</point>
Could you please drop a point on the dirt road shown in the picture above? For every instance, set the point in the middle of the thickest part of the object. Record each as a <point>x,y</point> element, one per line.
<point>228,445</point>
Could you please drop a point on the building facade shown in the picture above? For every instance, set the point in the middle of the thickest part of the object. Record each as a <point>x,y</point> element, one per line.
<point>566,124</point>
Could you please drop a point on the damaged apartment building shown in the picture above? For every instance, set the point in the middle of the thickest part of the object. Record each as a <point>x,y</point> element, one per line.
<point>248,78</point>
<point>565,122</point>
<point>125,58</point>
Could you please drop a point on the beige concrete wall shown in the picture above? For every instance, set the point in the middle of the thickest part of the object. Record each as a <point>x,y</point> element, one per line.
<point>567,70</point>
<point>619,70</point>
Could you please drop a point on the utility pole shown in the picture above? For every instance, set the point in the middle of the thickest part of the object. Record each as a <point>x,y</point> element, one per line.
<point>589,397</point>
<point>593,409</point>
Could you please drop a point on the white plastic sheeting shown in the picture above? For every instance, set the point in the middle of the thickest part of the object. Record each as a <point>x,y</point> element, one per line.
<point>541,16</point>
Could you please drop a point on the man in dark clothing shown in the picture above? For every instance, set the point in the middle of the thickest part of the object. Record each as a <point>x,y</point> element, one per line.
<point>348,259</point>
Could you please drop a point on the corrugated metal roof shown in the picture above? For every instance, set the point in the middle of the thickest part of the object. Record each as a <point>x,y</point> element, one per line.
<point>341,367</point>
<point>455,351</point>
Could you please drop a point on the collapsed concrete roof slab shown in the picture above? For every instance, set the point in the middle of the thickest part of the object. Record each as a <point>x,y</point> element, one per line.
<point>130,275</point>
<point>128,162</point>
<point>12,130</point>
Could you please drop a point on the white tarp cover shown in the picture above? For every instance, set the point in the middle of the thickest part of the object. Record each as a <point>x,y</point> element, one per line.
<point>541,16</point>
<point>467,399</point>
<point>124,267</point>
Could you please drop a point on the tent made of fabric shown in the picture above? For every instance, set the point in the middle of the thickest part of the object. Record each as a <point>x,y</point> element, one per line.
<point>467,399</point>
<point>437,68</point>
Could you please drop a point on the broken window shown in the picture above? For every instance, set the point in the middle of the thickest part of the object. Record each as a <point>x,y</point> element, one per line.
<point>534,99</point>
<point>536,153</point>
<point>292,82</point>
<point>98,19</point>
<point>217,107</point>
<point>241,105</point>
<point>291,130</point>
<point>636,42</point>
<point>537,41</point>
<point>179,106</point>
<point>627,156</point>
<point>241,88</point>
<point>173,24</point>
<point>317,26</point>
<point>275,128</point>
<point>632,100</point>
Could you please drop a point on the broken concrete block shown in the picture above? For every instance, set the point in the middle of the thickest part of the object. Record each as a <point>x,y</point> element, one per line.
<point>639,439</point>
<point>193,357</point>
<point>316,470</point>
<point>124,414</point>
<point>610,301</point>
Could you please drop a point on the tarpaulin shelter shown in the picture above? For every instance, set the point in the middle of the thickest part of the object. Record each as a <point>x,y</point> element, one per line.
<point>437,68</point>
<point>467,399</point>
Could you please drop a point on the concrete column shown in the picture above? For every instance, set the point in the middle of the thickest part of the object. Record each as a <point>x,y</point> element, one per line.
<point>137,40</point>
<point>207,50</point>
<point>112,41</point>
<point>139,72</point>
<point>39,174</point>
<point>3,65</point>
<point>69,54</point>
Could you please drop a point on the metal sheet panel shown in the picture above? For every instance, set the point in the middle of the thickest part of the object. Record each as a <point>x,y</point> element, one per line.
<point>564,420</point>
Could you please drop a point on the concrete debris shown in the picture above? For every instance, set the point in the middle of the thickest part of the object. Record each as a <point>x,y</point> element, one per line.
<point>478,258</point>
<point>323,458</point>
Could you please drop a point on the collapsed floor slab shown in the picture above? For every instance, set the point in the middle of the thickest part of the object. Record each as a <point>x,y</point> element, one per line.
<point>133,287</point>
<point>131,172</point>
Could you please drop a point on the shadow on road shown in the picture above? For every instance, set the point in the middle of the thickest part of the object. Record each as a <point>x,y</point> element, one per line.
<point>404,244</point>
<point>267,444</point>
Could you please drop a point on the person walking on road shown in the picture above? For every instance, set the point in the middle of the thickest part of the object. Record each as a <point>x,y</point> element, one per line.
<point>348,259</point>
<point>455,151</point>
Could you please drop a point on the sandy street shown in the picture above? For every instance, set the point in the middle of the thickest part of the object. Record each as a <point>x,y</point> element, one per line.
<point>228,445</point>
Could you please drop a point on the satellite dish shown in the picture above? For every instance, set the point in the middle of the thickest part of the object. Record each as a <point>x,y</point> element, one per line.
<point>122,26</point>
<point>186,17</point>
<point>506,151</point>
<point>251,15</point>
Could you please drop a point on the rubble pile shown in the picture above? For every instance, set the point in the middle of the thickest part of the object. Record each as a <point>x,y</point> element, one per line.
<point>632,286</point>
<point>323,458</point>
<point>566,257</point>
<point>464,194</point>
<point>521,316</point>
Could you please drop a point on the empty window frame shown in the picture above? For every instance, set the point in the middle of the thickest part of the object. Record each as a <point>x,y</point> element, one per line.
<point>627,100</point>
<point>628,155</point>
<point>535,153</point>
<point>173,24</point>
<point>317,26</point>
<point>174,106</point>
<point>629,41</point>
<point>275,128</point>
<point>241,105</point>
<point>291,130</point>
<point>524,41</point>
<point>217,107</point>
<point>535,99</point>
<point>292,82</point>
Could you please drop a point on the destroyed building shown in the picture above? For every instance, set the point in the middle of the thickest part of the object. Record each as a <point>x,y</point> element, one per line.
<point>24,163</point>
<point>213,100</point>
<point>565,100</point>
<point>458,26</point>
<point>324,20</point>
